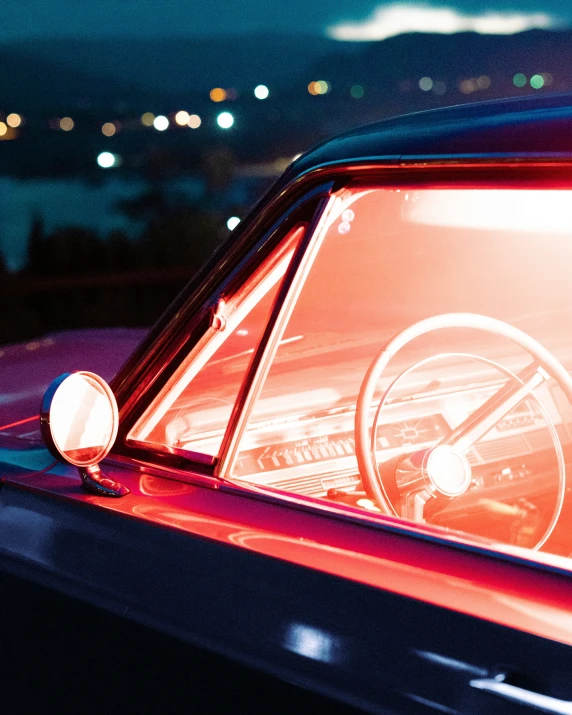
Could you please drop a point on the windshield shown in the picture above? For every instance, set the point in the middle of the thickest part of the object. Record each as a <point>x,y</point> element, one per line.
<point>496,260</point>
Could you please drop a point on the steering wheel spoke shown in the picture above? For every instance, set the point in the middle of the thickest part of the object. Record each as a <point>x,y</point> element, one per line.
<point>495,408</point>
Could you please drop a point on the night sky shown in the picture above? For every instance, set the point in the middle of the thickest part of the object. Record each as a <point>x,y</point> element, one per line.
<point>33,18</point>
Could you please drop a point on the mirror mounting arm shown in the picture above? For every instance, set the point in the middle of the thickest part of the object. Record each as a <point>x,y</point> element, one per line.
<point>96,482</point>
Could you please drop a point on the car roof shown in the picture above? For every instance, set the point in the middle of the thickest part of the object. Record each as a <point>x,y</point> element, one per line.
<point>533,126</point>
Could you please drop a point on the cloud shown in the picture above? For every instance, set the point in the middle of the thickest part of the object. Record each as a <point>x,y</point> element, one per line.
<point>396,19</point>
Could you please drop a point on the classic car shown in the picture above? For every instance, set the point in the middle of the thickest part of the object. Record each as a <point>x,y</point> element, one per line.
<point>334,474</point>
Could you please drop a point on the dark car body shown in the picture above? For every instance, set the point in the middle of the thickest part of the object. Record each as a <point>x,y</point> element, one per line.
<point>218,590</point>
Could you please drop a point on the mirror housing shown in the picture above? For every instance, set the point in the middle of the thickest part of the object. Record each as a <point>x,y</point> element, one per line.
<point>79,421</point>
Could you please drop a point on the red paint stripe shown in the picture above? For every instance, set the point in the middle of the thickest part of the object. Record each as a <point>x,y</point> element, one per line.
<point>20,422</point>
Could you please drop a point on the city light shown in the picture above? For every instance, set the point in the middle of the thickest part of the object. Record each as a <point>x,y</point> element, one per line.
<point>147,119</point>
<point>232,223</point>
<point>466,86</point>
<point>547,77</point>
<point>182,118</point>
<point>217,94</point>
<point>66,124</point>
<point>225,120</point>
<point>107,160</point>
<point>537,81</point>
<point>319,87</point>
<point>161,123</point>
<point>3,129</point>
<point>13,120</point>
<point>108,129</point>
<point>519,79</point>
<point>261,92</point>
<point>194,121</point>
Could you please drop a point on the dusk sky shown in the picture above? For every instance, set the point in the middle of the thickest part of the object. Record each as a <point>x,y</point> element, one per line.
<point>346,19</point>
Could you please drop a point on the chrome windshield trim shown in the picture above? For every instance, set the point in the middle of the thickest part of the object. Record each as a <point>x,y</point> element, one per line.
<point>285,302</point>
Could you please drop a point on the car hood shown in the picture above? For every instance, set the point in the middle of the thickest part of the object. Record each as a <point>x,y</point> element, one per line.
<point>26,369</point>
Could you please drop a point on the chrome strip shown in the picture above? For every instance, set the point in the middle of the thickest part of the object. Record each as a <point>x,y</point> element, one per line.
<point>300,266</point>
<point>524,697</point>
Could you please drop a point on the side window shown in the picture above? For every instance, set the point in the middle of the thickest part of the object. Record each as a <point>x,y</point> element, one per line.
<point>424,372</point>
<point>193,410</point>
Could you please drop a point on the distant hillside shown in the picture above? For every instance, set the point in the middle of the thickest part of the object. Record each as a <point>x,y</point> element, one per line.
<point>187,65</point>
<point>452,57</point>
<point>149,72</point>
<point>31,81</point>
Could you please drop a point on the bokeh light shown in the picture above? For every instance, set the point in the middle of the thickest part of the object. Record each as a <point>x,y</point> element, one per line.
<point>547,77</point>
<point>107,160</point>
<point>519,79</point>
<point>161,123</point>
<point>108,129</point>
<point>261,92</point>
<point>67,124</point>
<point>3,129</point>
<point>147,119</point>
<point>466,86</point>
<point>357,91</point>
<point>439,88</point>
<point>13,120</point>
<point>537,81</point>
<point>217,94</point>
<point>319,87</point>
<point>232,223</point>
<point>225,120</point>
<point>194,121</point>
<point>426,84</point>
<point>182,118</point>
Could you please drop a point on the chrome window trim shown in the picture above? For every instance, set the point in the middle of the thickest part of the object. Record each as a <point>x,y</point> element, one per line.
<point>293,283</point>
<point>291,287</point>
<point>400,527</point>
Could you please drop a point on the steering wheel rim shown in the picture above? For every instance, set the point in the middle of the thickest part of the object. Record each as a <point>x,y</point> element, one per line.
<point>366,456</point>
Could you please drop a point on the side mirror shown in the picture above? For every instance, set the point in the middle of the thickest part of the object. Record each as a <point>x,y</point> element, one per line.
<point>79,421</point>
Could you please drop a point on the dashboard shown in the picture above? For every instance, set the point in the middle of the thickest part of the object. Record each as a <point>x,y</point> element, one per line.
<point>324,457</point>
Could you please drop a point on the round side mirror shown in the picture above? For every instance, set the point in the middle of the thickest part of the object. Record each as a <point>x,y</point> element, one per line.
<point>79,418</point>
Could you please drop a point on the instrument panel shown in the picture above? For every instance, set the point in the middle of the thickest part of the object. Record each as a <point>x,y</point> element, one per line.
<point>317,453</point>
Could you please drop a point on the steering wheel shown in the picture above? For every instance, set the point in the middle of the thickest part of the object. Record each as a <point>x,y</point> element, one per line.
<point>410,480</point>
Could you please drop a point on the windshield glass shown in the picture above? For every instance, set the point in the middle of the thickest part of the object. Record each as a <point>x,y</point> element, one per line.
<point>497,261</point>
